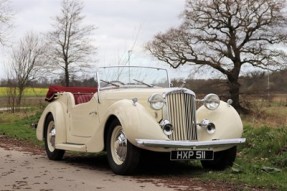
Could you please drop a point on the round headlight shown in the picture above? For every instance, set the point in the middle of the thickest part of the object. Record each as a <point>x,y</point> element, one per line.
<point>156,101</point>
<point>211,101</point>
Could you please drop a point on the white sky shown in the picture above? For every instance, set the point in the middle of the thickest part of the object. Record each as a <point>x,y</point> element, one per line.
<point>122,25</point>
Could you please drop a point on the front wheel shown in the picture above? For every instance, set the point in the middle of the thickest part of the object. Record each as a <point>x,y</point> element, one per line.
<point>222,160</point>
<point>123,157</point>
<point>50,139</point>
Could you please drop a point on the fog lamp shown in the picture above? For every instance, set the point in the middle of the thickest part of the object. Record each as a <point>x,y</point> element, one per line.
<point>209,126</point>
<point>166,127</point>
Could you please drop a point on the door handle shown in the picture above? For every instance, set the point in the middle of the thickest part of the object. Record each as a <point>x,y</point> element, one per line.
<point>93,112</point>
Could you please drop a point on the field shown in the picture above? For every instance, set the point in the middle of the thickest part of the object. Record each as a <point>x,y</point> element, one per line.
<point>29,92</point>
<point>31,97</point>
<point>261,163</point>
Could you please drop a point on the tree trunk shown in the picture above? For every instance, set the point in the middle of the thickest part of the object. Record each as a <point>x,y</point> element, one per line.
<point>234,88</point>
<point>12,96</point>
<point>67,77</point>
<point>20,95</point>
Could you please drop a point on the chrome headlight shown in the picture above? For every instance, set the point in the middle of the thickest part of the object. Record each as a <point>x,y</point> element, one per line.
<point>211,101</point>
<point>156,101</point>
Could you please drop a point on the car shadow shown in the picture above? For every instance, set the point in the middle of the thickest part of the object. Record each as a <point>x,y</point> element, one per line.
<point>87,161</point>
<point>150,165</point>
<point>157,170</point>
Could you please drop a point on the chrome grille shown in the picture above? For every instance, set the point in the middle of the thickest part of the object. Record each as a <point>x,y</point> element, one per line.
<point>180,111</point>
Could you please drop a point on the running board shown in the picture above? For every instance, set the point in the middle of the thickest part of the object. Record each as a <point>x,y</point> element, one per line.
<point>72,147</point>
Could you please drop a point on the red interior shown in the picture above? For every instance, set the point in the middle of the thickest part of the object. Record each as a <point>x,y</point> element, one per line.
<point>81,94</point>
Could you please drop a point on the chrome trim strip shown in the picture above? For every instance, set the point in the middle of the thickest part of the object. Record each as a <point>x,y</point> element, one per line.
<point>178,90</point>
<point>189,144</point>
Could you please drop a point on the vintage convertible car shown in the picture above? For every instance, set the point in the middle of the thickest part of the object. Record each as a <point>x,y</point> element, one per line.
<point>133,109</point>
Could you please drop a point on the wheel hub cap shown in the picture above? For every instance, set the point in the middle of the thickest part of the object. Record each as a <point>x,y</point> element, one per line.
<point>121,146</point>
<point>52,137</point>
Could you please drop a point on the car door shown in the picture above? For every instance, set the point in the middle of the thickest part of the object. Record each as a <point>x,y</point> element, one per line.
<point>83,121</point>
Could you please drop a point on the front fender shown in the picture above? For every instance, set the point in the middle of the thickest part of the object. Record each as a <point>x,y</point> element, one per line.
<point>56,109</point>
<point>226,119</point>
<point>136,121</point>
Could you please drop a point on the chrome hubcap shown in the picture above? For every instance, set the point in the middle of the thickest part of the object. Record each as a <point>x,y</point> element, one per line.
<point>119,145</point>
<point>51,136</point>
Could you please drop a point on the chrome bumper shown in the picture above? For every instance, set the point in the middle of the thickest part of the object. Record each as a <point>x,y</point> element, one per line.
<point>189,144</point>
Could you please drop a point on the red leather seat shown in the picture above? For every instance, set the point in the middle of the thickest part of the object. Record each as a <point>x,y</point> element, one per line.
<point>86,92</point>
<point>83,98</point>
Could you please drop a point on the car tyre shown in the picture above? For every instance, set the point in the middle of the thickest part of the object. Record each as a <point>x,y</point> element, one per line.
<point>222,160</point>
<point>123,157</point>
<point>50,137</point>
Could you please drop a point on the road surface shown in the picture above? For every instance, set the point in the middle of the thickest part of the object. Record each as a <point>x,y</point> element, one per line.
<point>23,171</point>
<point>24,166</point>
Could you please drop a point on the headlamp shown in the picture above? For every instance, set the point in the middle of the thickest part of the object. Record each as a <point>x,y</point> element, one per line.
<point>211,101</point>
<point>156,101</point>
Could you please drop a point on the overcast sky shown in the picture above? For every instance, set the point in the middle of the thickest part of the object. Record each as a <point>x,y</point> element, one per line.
<point>122,25</point>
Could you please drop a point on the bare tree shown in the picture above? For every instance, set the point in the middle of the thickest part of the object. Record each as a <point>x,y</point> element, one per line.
<point>70,40</point>
<point>225,35</point>
<point>27,61</point>
<point>11,92</point>
<point>5,20</point>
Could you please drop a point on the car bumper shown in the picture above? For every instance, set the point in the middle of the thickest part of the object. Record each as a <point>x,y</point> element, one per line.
<point>189,144</point>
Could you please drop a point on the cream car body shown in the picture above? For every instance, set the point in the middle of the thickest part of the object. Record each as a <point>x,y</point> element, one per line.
<point>68,124</point>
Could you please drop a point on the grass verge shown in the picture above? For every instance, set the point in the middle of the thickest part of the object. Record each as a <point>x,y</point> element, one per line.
<point>19,125</point>
<point>261,162</point>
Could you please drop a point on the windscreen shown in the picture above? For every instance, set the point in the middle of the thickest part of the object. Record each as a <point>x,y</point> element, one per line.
<point>132,76</point>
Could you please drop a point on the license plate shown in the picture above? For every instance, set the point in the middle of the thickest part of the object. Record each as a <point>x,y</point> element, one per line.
<point>191,154</point>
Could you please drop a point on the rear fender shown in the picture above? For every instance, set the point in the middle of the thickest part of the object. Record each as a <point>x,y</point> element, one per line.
<point>57,111</point>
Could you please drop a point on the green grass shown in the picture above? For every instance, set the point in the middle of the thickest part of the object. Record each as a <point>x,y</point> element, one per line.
<point>18,125</point>
<point>261,162</point>
<point>250,176</point>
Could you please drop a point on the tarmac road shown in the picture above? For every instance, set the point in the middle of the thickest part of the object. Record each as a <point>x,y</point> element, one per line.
<point>24,166</point>
<point>24,171</point>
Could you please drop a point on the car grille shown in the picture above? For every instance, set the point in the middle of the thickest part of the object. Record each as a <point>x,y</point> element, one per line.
<point>180,111</point>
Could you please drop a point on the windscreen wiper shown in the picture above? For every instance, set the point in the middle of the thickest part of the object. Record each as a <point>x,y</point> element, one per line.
<point>149,85</point>
<point>111,83</point>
